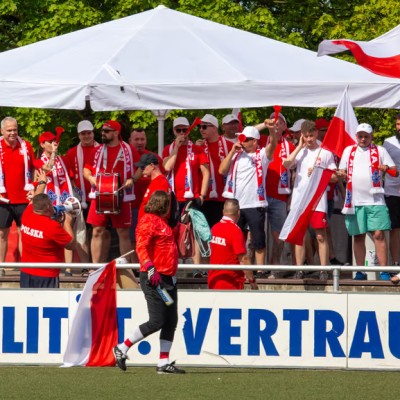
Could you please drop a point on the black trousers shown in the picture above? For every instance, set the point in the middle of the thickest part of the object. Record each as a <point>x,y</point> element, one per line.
<point>161,316</point>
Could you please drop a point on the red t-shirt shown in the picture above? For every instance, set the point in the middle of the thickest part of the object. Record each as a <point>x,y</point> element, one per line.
<point>274,173</point>
<point>143,183</point>
<point>43,240</point>
<point>199,158</point>
<point>14,171</point>
<point>72,156</point>
<point>217,155</point>
<point>227,244</point>
<point>158,183</point>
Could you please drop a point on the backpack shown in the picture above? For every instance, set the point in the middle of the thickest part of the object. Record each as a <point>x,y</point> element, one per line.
<point>201,230</point>
<point>173,218</point>
<point>185,236</point>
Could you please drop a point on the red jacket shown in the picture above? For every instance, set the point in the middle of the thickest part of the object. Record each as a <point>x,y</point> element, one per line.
<point>155,242</point>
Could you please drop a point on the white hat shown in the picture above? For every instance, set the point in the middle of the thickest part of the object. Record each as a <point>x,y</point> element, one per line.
<point>297,125</point>
<point>229,118</point>
<point>181,121</point>
<point>85,125</point>
<point>367,128</point>
<point>250,132</point>
<point>210,119</point>
<point>280,115</point>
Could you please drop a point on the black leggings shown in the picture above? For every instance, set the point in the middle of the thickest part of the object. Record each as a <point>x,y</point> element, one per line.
<point>161,316</point>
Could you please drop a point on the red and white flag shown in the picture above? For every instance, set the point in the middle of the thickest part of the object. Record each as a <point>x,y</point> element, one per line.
<point>297,221</point>
<point>342,129</point>
<point>380,56</point>
<point>94,330</point>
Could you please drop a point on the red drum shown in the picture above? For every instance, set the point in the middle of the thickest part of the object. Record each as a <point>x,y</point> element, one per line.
<point>107,194</point>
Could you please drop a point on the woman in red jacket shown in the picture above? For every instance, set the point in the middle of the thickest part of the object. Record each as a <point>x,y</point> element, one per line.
<point>158,257</point>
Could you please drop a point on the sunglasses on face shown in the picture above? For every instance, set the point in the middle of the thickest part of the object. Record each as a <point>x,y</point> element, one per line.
<point>248,139</point>
<point>181,130</point>
<point>204,126</point>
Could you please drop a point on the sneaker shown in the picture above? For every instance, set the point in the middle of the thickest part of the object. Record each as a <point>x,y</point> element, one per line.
<point>335,261</point>
<point>323,276</point>
<point>360,276</point>
<point>120,358</point>
<point>299,275</point>
<point>385,276</point>
<point>170,369</point>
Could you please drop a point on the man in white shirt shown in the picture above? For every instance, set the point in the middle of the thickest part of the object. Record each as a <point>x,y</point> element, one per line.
<point>246,168</point>
<point>307,155</point>
<point>392,196</point>
<point>365,208</point>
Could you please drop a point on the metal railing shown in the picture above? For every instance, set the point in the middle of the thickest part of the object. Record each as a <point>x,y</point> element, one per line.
<point>335,269</point>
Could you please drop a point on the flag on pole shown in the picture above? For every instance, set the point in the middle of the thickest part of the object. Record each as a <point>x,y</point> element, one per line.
<point>94,328</point>
<point>236,111</point>
<point>297,221</point>
<point>380,56</point>
<point>342,129</point>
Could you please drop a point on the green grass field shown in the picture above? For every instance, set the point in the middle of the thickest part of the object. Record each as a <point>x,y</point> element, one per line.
<point>35,382</point>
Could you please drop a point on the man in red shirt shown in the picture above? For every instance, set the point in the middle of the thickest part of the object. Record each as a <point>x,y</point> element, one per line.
<point>113,156</point>
<point>43,240</point>
<point>228,247</point>
<point>16,168</point>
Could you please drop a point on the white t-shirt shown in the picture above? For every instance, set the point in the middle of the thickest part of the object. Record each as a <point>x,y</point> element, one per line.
<point>362,181</point>
<point>246,179</point>
<point>392,184</point>
<point>305,160</point>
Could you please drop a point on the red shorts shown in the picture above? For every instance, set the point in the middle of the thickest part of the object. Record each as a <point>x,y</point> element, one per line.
<point>226,280</point>
<point>121,220</point>
<point>319,220</point>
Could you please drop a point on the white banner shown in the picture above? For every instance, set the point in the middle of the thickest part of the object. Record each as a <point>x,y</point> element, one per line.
<point>220,328</point>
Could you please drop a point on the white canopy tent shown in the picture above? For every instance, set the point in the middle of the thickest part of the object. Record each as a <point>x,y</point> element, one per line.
<point>164,59</point>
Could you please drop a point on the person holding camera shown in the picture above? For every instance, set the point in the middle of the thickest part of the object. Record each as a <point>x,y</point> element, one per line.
<point>44,239</point>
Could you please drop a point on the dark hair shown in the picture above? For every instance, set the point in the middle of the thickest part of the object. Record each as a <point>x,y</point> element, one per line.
<point>138,130</point>
<point>397,116</point>
<point>40,202</point>
<point>308,126</point>
<point>158,203</point>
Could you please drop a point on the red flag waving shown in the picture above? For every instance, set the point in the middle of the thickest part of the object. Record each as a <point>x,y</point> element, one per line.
<point>342,129</point>
<point>380,56</point>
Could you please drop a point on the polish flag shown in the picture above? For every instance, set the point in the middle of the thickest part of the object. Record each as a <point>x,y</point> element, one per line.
<point>297,221</point>
<point>94,330</point>
<point>236,111</point>
<point>342,129</point>
<point>380,56</point>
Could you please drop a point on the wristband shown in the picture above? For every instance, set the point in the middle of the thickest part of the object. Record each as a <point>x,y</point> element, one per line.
<point>148,264</point>
<point>42,183</point>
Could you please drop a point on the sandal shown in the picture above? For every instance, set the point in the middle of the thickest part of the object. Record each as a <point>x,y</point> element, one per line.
<point>395,279</point>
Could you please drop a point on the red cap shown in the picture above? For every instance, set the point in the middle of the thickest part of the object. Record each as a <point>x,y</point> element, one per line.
<point>112,125</point>
<point>321,123</point>
<point>46,137</point>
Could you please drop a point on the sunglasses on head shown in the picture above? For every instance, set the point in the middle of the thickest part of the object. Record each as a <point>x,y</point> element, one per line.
<point>204,126</point>
<point>181,130</point>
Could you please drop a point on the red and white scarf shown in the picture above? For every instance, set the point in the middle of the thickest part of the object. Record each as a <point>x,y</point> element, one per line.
<point>376,179</point>
<point>222,153</point>
<point>230,186</point>
<point>28,182</point>
<point>58,186</point>
<point>284,179</point>
<point>188,179</point>
<point>100,164</point>
<point>79,164</point>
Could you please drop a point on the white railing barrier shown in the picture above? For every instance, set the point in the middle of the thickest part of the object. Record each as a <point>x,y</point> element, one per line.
<point>335,269</point>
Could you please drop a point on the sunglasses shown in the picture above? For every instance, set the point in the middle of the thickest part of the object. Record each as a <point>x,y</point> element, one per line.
<point>248,139</point>
<point>181,130</point>
<point>204,126</point>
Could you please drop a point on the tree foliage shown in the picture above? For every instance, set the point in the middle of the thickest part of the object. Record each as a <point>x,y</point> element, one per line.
<point>302,23</point>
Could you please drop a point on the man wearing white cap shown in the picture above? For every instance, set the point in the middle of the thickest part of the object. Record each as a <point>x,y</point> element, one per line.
<point>230,126</point>
<point>365,209</point>
<point>246,168</point>
<point>296,130</point>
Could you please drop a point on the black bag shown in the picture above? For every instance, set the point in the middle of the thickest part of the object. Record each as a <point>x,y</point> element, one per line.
<point>173,211</point>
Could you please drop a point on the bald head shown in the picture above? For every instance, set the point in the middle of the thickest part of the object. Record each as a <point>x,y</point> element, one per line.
<point>231,209</point>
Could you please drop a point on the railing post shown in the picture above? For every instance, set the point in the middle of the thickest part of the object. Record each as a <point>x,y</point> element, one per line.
<point>336,276</point>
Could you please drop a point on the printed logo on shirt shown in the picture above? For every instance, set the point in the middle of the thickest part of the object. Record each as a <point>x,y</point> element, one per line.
<point>32,232</point>
<point>218,240</point>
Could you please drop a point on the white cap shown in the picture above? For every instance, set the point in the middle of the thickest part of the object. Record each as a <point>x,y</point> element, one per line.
<point>280,115</point>
<point>210,119</point>
<point>250,132</point>
<point>297,125</point>
<point>181,121</point>
<point>229,118</point>
<point>367,128</point>
<point>85,125</point>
